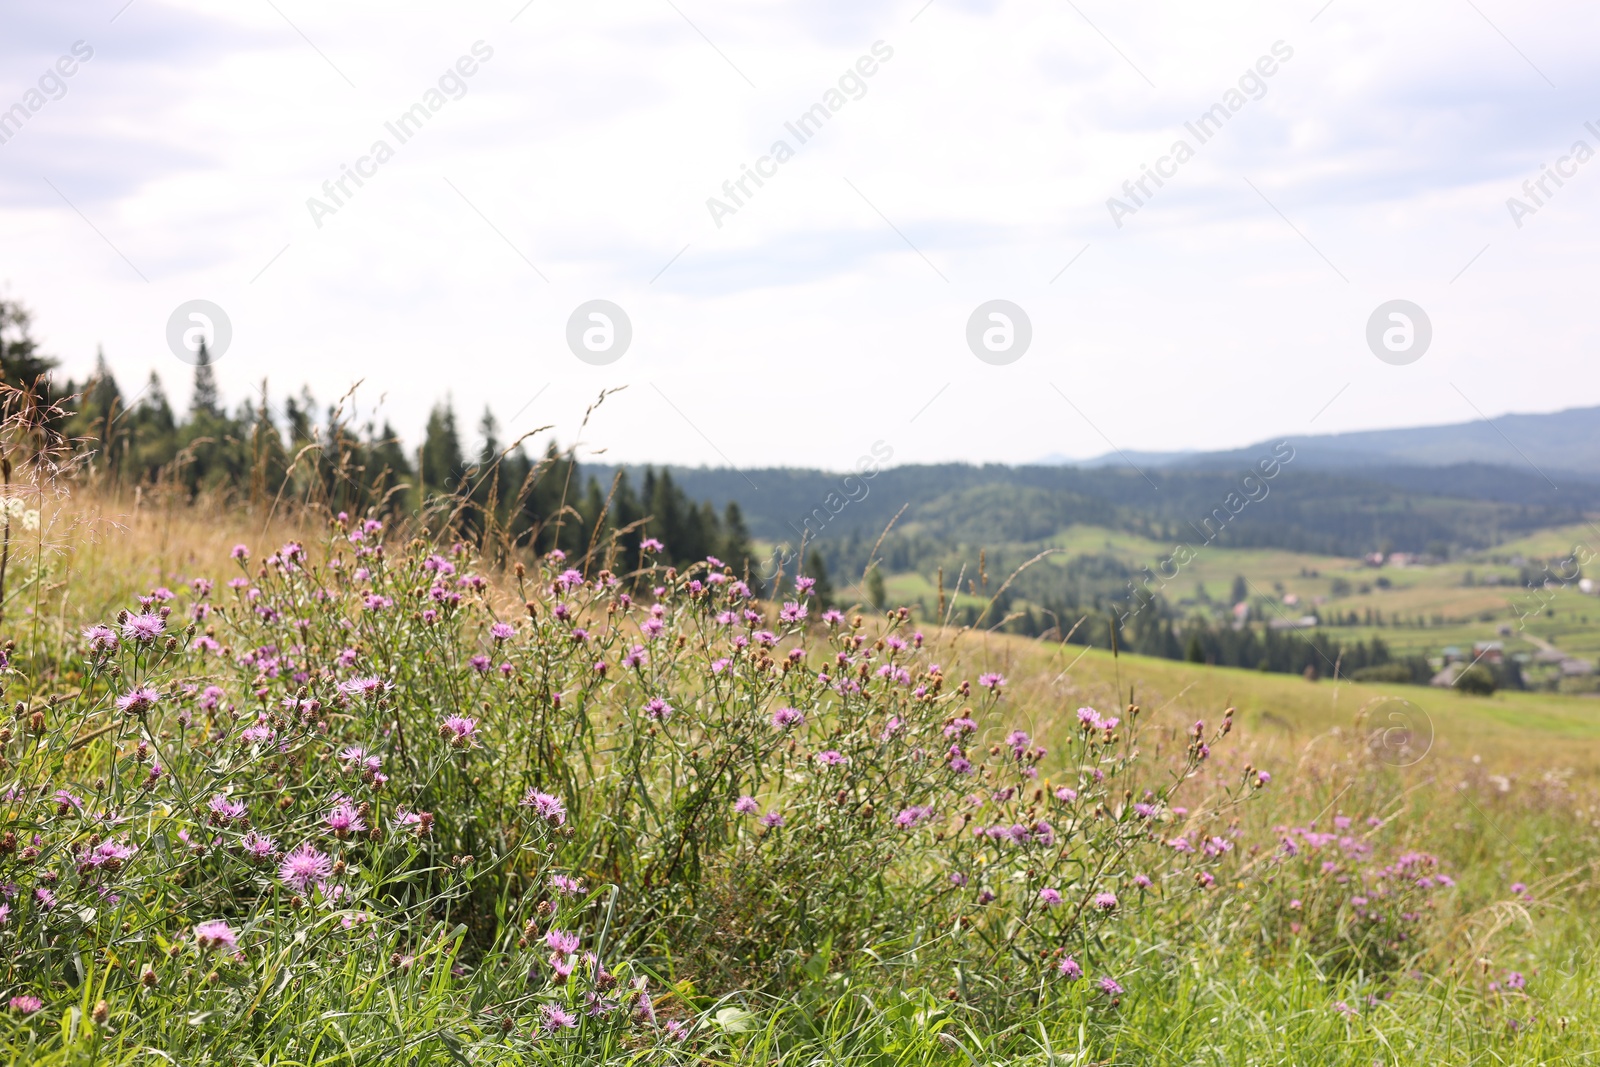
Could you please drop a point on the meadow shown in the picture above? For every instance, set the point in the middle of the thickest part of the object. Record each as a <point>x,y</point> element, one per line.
<point>301,789</point>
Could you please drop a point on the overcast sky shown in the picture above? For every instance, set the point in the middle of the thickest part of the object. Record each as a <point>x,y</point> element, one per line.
<point>829,308</point>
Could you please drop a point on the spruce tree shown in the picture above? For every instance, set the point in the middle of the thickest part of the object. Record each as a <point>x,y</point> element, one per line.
<point>877,595</point>
<point>736,550</point>
<point>205,401</point>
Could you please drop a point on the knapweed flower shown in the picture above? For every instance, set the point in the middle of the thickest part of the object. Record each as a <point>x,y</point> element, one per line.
<point>745,805</point>
<point>913,815</point>
<point>1515,980</point>
<point>991,681</point>
<point>650,544</point>
<point>110,855</point>
<point>1069,969</point>
<point>561,941</point>
<point>1105,901</point>
<point>547,807</point>
<point>1142,881</point>
<point>792,612</point>
<point>144,627</point>
<point>783,718</point>
<point>830,758</point>
<point>772,820</point>
<point>100,639</point>
<point>366,688</point>
<point>215,934</point>
<point>460,731</point>
<point>344,819</point>
<point>832,617</point>
<point>1049,897</point>
<point>304,867</point>
<point>502,631</point>
<point>225,810</point>
<point>1262,778</point>
<point>1109,986</point>
<point>959,726</point>
<point>567,887</point>
<point>26,1005</point>
<point>66,802</point>
<point>658,709</point>
<point>137,701</point>
<point>1066,795</point>
<point>258,847</point>
<point>556,1018</point>
<point>675,1029</point>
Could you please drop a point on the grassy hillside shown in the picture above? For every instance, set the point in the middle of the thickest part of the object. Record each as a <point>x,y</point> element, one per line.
<point>440,957</point>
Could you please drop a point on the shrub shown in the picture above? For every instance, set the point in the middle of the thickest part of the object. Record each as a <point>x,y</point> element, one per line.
<point>1477,680</point>
<point>1393,673</point>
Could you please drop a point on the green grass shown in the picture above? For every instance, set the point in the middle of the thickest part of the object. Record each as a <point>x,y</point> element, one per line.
<point>1503,790</point>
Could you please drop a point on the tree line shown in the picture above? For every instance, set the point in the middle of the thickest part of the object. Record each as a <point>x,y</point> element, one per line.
<point>264,455</point>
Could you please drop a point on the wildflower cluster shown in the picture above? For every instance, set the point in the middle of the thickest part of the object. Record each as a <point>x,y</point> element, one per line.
<point>371,762</point>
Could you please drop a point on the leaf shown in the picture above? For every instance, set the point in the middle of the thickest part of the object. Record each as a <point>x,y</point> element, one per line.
<point>734,1020</point>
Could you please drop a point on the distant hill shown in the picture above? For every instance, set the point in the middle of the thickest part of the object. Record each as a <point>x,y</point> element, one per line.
<point>1561,445</point>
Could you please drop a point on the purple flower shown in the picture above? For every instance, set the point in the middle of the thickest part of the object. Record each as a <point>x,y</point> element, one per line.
<point>1515,980</point>
<point>804,585</point>
<point>305,866</point>
<point>108,854</point>
<point>786,717</point>
<point>1069,969</point>
<point>561,941</point>
<point>772,820</point>
<point>258,847</point>
<point>459,731</point>
<point>557,1019</point>
<point>225,811</point>
<point>26,1005</point>
<point>502,631</point>
<point>567,887</point>
<point>66,802</point>
<point>1049,897</point>
<point>363,687</point>
<point>792,612</point>
<point>913,815</point>
<point>1142,881</point>
<point>138,701</point>
<point>745,805</point>
<point>1262,778</point>
<point>832,617</point>
<point>830,758</point>
<point>991,681</point>
<point>1105,901</point>
<point>344,819</point>
<point>215,934</point>
<point>658,709</point>
<point>1109,986</point>
<point>650,544</point>
<point>675,1029</point>
<point>547,807</point>
<point>100,638</point>
<point>144,628</point>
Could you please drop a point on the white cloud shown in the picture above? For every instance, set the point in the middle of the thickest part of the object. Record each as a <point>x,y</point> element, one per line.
<point>807,326</point>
